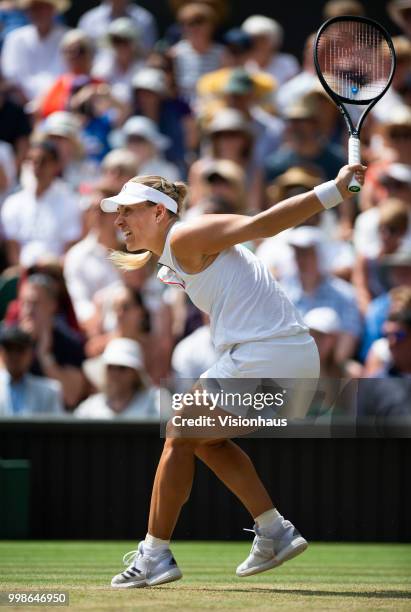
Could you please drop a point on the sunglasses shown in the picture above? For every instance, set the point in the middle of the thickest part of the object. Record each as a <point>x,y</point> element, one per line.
<point>392,230</point>
<point>398,336</point>
<point>193,23</point>
<point>400,134</point>
<point>117,40</point>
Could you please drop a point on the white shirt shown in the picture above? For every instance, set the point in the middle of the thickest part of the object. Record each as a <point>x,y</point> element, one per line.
<point>105,68</point>
<point>83,281</point>
<point>95,22</point>
<point>238,293</point>
<point>44,225</point>
<point>144,406</point>
<point>193,355</point>
<point>8,165</point>
<point>33,62</point>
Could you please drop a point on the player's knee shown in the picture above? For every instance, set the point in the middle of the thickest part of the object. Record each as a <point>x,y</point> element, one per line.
<point>180,445</point>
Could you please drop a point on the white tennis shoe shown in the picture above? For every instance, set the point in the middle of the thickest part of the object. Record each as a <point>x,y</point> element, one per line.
<point>269,552</point>
<point>145,570</point>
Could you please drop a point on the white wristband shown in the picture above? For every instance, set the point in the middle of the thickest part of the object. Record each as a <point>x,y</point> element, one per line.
<point>328,194</point>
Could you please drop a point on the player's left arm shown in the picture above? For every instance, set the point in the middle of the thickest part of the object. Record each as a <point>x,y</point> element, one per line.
<point>212,234</point>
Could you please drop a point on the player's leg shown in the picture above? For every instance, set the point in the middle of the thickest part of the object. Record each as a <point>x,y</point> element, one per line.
<point>235,469</point>
<point>276,539</point>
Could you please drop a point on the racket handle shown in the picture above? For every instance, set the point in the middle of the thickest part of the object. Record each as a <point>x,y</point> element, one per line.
<point>354,157</point>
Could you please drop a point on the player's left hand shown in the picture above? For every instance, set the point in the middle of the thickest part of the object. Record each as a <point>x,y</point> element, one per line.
<point>345,175</point>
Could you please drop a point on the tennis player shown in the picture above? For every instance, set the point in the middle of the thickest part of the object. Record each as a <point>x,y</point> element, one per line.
<point>256,331</point>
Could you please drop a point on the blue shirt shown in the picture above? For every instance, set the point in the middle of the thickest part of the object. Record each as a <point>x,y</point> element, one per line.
<point>377,314</point>
<point>333,293</point>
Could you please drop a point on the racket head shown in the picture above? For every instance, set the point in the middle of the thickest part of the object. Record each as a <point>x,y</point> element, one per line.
<point>355,59</point>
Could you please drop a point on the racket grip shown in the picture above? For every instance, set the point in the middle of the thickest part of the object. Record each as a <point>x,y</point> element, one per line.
<point>354,157</point>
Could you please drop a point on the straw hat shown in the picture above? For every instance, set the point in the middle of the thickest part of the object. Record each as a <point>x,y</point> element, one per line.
<point>60,5</point>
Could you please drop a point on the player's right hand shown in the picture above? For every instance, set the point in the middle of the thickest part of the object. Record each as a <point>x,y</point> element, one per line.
<point>345,175</point>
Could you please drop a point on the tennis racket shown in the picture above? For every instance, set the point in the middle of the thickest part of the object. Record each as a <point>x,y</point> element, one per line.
<point>355,62</point>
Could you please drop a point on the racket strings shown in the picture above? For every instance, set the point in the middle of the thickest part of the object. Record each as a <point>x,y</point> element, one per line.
<point>355,60</point>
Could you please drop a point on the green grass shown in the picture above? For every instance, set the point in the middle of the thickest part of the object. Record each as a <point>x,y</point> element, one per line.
<point>326,577</point>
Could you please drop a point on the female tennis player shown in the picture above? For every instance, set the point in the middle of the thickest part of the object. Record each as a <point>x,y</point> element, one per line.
<point>256,331</point>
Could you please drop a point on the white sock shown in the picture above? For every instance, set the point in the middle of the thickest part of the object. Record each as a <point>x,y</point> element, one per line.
<point>154,545</point>
<point>268,522</point>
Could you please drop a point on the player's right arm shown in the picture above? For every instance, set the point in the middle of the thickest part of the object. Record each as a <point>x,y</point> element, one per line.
<point>211,234</point>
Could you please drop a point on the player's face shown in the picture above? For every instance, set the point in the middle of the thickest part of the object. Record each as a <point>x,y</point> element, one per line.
<point>137,225</point>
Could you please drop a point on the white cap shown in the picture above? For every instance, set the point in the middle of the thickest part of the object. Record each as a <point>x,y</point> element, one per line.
<point>399,172</point>
<point>324,320</point>
<point>124,27</point>
<point>305,237</point>
<point>147,129</point>
<point>124,352</point>
<point>151,79</point>
<point>259,25</point>
<point>231,120</point>
<point>136,193</point>
<point>61,123</point>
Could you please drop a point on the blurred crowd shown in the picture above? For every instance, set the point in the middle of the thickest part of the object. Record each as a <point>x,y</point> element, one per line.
<point>84,109</point>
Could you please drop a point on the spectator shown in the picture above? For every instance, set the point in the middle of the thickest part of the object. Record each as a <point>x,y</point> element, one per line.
<point>398,267</point>
<point>304,145</point>
<point>312,287</point>
<point>231,137</point>
<point>58,350</point>
<point>62,128</point>
<point>267,36</point>
<point>118,167</point>
<point>170,113</point>
<point>303,82</point>
<point>51,268</point>
<point>400,13</point>
<point>127,390</point>
<point>223,179</point>
<point>196,53</point>
<point>83,281</point>
<point>21,393</point>
<point>131,319</point>
<point>396,182</point>
<point>337,8</point>
<point>77,49</point>
<point>44,217</point>
<point>117,64</point>
<point>142,138</point>
<point>325,327</point>
<point>237,47</point>
<point>96,21</point>
<point>30,55</point>
<point>399,93</point>
<point>392,226</point>
<point>397,330</point>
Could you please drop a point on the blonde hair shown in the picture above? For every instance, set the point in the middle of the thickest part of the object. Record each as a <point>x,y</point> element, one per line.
<point>178,192</point>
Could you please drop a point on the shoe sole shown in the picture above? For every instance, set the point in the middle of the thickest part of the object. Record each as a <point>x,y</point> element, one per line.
<point>294,549</point>
<point>170,576</point>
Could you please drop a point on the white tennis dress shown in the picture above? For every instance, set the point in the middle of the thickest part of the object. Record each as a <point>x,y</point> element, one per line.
<point>257,332</point>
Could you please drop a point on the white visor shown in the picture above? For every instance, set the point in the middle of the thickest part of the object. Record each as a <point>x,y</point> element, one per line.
<point>135,193</point>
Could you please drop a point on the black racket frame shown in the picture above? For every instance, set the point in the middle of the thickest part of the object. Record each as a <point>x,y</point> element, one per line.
<point>341,100</point>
